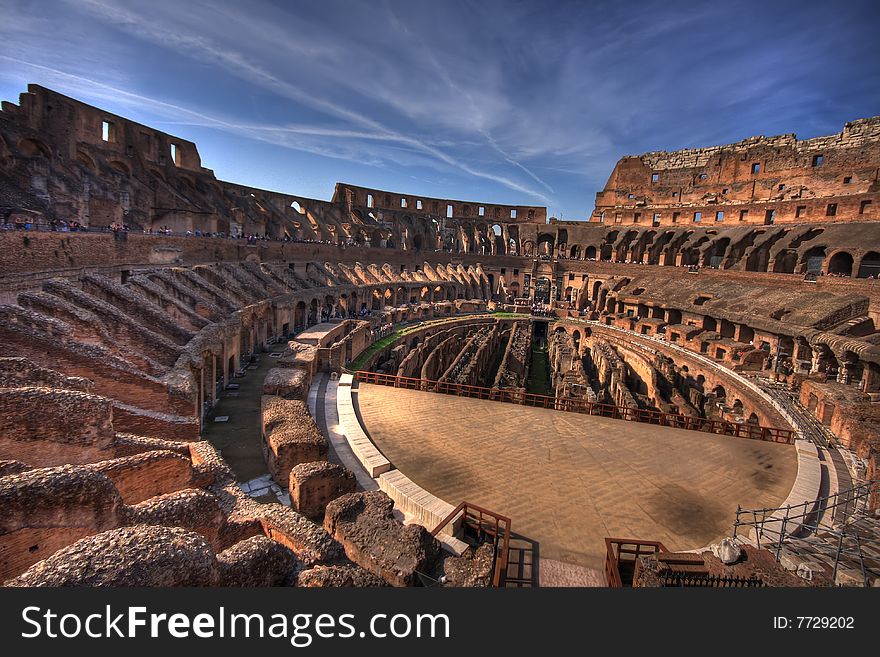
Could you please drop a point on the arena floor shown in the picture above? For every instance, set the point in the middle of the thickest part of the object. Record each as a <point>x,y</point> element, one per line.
<point>567,481</point>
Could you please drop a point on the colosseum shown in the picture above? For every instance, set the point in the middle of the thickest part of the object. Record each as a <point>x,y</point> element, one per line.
<point>209,384</point>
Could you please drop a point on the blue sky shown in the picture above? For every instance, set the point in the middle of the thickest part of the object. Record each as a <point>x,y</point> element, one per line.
<point>507,102</point>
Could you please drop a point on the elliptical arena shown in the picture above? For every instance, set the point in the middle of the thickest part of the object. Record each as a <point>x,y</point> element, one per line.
<point>210,384</point>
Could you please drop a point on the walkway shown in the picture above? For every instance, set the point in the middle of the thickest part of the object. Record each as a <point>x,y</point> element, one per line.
<point>238,438</point>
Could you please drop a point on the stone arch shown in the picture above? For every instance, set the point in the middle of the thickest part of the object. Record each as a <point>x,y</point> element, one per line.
<point>29,147</point>
<point>813,260</point>
<point>869,266</point>
<point>299,315</point>
<point>786,262</point>
<point>86,161</point>
<point>590,253</point>
<point>545,244</point>
<point>120,167</point>
<point>841,263</point>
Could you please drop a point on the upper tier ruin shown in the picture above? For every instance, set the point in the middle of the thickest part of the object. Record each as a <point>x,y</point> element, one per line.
<point>759,180</point>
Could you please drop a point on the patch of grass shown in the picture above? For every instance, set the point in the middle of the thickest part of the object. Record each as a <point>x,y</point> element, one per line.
<point>502,314</point>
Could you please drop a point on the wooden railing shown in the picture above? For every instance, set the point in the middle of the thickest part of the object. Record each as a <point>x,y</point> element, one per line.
<point>485,525</point>
<point>573,405</point>
<point>624,552</point>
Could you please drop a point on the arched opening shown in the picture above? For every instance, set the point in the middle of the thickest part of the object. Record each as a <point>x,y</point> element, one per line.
<point>86,161</point>
<point>329,309</point>
<point>596,287</point>
<point>542,290</point>
<point>299,316</point>
<point>841,264</point>
<point>786,261</point>
<point>34,148</point>
<point>813,260</point>
<point>728,330</point>
<point>590,253</point>
<point>715,255</point>
<point>545,245</point>
<point>122,167</point>
<point>869,267</point>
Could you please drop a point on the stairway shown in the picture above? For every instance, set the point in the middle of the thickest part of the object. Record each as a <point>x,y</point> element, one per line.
<point>808,425</point>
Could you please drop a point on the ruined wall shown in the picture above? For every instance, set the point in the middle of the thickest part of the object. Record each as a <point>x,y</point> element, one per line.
<point>290,437</point>
<point>758,180</point>
<point>513,372</point>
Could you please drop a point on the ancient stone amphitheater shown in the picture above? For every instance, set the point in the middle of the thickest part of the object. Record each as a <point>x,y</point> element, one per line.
<point>209,384</point>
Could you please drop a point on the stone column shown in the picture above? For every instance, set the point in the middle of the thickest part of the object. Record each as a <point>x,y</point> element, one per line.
<point>843,373</point>
<point>200,398</point>
<point>213,380</point>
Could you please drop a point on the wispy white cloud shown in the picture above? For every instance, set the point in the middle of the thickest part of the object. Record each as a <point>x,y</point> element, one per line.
<point>526,102</point>
<point>169,35</point>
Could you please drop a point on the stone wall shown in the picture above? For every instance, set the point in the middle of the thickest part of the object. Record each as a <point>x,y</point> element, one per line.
<point>290,437</point>
<point>758,180</point>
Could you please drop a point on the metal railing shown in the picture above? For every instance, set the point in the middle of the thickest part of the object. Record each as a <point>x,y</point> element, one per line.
<point>679,579</point>
<point>584,406</point>
<point>772,528</point>
<point>484,525</point>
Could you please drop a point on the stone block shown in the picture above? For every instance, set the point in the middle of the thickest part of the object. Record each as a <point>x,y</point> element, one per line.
<point>373,538</point>
<point>316,484</point>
